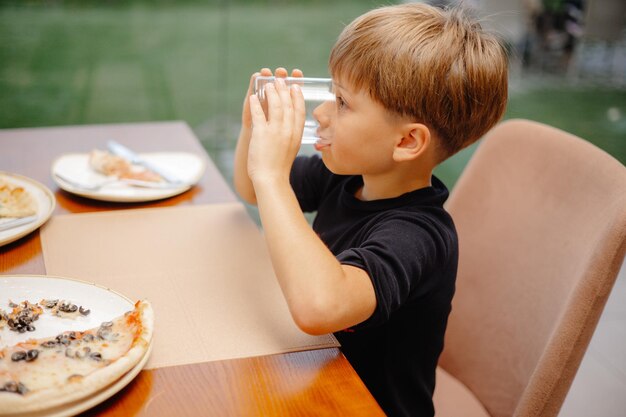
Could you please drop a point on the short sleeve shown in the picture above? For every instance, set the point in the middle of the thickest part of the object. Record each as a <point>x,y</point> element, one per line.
<point>398,256</point>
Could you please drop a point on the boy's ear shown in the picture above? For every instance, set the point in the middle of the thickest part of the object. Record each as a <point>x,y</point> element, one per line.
<point>416,140</point>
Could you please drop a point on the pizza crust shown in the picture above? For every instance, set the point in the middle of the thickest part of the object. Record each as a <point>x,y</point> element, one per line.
<point>77,388</point>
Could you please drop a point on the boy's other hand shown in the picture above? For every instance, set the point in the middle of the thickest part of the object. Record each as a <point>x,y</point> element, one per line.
<point>276,138</point>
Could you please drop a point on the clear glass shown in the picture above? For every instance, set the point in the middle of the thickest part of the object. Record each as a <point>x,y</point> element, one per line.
<point>315,91</point>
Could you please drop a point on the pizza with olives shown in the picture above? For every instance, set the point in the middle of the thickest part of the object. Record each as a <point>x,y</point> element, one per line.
<point>37,374</point>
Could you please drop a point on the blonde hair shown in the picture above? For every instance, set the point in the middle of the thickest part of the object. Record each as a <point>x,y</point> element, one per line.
<point>437,66</point>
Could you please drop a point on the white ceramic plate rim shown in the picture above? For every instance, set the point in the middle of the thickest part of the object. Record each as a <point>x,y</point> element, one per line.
<point>43,214</point>
<point>92,400</point>
<point>140,195</point>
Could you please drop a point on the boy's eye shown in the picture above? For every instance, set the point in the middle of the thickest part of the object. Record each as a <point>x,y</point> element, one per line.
<point>340,102</point>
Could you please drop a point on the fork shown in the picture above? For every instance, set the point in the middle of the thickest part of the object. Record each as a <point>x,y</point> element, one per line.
<point>128,181</point>
<point>20,221</point>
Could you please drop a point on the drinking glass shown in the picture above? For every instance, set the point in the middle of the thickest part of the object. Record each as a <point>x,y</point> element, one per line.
<point>316,91</point>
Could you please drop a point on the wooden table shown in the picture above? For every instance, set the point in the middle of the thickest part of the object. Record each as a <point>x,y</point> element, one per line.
<point>315,382</point>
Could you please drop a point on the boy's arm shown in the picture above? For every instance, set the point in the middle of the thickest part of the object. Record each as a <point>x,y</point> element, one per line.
<point>323,295</point>
<point>241,180</point>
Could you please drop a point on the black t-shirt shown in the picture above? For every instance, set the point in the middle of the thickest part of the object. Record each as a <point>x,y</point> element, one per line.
<point>408,246</point>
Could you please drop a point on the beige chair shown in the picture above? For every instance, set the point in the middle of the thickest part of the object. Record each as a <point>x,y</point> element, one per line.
<point>541,217</point>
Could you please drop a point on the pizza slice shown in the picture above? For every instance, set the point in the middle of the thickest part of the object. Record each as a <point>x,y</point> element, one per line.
<point>113,165</point>
<point>41,373</point>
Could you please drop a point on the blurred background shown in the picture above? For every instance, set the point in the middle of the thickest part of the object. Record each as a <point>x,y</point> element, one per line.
<point>116,61</point>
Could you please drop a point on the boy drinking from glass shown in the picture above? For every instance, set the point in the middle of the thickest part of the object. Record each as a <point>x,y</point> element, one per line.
<point>413,84</point>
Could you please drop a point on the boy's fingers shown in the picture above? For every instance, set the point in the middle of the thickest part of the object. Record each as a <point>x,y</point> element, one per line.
<point>299,111</point>
<point>274,106</point>
<point>296,73</point>
<point>280,72</point>
<point>266,72</point>
<point>251,85</point>
<point>285,99</point>
<point>258,116</point>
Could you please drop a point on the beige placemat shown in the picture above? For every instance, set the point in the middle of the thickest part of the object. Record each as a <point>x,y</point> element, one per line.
<point>204,268</point>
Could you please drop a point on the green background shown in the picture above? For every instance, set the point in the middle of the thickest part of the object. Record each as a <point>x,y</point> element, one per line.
<point>91,62</point>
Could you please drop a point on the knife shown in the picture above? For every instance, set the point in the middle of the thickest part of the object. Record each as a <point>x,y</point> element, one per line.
<point>17,222</point>
<point>134,158</point>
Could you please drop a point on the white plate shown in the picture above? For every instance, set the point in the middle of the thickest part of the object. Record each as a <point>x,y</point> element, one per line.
<point>104,304</point>
<point>186,166</point>
<point>45,206</point>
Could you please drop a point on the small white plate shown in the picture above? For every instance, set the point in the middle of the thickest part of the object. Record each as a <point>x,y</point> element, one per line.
<point>186,166</point>
<point>45,205</point>
<point>105,305</point>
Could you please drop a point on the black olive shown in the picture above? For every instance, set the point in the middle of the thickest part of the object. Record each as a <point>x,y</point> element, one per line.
<point>10,386</point>
<point>31,355</point>
<point>21,388</point>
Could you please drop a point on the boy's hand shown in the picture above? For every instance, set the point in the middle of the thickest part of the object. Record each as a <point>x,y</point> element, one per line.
<point>246,119</point>
<point>276,139</point>
<point>241,179</point>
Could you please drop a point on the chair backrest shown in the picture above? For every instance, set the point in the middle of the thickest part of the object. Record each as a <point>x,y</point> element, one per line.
<point>541,218</point>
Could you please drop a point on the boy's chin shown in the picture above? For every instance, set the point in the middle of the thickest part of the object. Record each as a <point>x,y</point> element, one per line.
<point>332,167</point>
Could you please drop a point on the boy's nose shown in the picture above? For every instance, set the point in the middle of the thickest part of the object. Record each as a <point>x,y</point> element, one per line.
<point>322,113</point>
